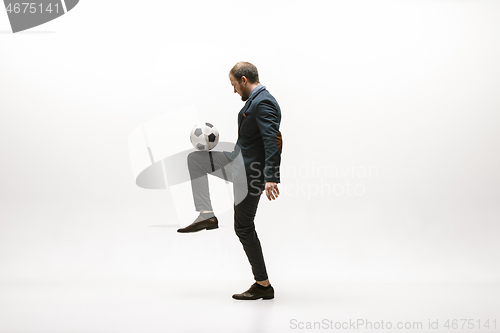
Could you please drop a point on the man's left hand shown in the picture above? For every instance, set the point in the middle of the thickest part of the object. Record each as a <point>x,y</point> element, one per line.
<point>271,190</point>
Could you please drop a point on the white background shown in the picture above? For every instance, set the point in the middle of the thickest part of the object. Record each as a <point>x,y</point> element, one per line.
<point>409,88</point>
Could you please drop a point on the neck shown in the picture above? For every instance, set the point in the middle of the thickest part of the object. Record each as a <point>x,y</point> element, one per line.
<point>254,85</point>
<point>251,87</point>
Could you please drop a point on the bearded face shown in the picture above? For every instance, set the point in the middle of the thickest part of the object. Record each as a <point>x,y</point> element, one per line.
<point>239,88</point>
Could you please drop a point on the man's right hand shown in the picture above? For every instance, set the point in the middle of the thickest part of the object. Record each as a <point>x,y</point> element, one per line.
<point>271,190</point>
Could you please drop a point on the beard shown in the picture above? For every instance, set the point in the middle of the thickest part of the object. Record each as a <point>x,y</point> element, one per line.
<point>244,96</point>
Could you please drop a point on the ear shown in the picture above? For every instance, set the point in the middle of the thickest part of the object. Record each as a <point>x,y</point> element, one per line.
<point>244,79</point>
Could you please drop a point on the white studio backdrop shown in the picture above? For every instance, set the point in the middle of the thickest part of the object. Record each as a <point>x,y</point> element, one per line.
<point>390,126</point>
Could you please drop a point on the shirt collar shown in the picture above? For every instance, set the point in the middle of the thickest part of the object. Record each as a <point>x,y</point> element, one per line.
<point>255,90</point>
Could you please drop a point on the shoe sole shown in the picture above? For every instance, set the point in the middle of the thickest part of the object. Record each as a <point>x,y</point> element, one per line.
<point>253,299</point>
<point>207,228</point>
<point>212,227</point>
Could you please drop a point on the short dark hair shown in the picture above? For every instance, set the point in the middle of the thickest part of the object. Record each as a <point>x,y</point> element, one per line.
<point>247,70</point>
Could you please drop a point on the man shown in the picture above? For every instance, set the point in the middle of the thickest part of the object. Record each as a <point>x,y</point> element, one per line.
<point>253,167</point>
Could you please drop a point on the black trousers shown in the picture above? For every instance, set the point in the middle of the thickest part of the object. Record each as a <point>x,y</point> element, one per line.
<point>202,163</point>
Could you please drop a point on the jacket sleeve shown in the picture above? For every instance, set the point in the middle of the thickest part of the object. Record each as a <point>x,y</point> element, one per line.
<point>268,119</point>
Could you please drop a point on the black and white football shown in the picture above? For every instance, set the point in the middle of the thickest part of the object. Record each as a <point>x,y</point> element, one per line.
<point>204,136</point>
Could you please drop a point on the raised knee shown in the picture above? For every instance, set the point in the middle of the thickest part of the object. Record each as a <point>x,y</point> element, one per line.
<point>194,156</point>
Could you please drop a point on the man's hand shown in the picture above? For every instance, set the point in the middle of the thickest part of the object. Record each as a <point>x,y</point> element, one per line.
<point>271,190</point>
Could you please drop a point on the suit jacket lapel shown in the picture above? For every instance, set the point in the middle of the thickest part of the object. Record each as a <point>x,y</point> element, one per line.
<point>240,114</point>
<point>247,106</point>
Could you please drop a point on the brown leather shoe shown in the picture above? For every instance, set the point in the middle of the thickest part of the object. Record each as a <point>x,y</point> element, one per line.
<point>255,292</point>
<point>200,224</point>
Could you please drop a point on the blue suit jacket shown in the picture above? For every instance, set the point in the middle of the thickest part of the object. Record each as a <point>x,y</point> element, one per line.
<point>259,138</point>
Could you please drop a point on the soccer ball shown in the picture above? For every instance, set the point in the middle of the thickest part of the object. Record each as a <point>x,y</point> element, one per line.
<point>204,136</point>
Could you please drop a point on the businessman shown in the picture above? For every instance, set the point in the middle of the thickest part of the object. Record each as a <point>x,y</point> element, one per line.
<point>253,167</point>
